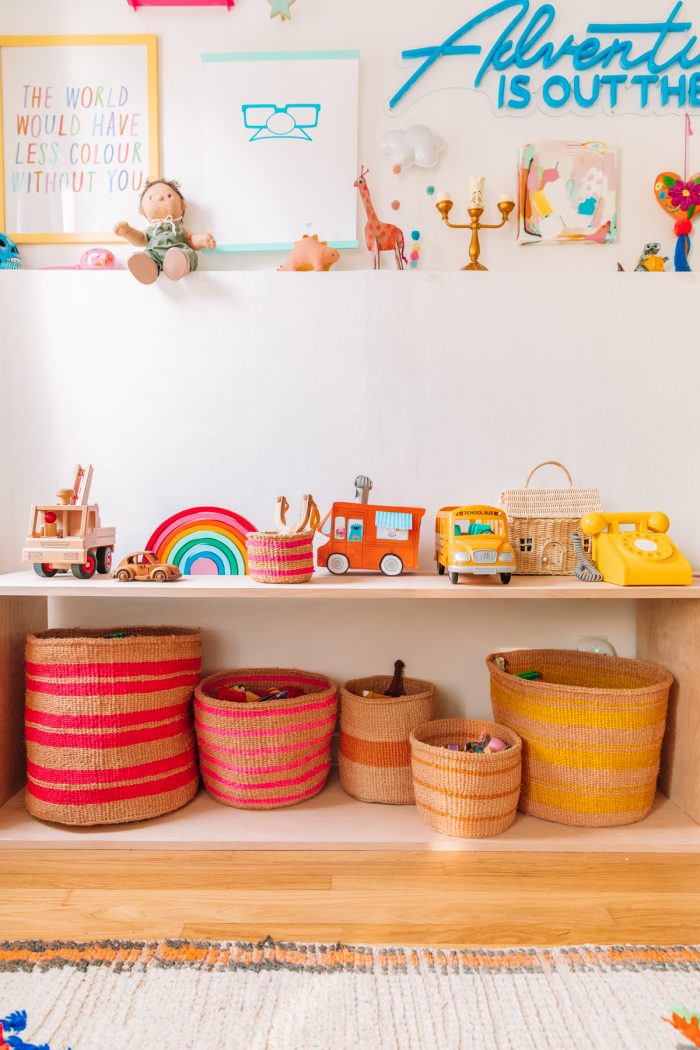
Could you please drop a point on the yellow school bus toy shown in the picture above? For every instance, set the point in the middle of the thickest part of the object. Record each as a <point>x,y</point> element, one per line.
<point>473,540</point>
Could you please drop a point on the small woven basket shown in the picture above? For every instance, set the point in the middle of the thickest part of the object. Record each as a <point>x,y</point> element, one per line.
<point>375,750</point>
<point>460,793</point>
<point>541,521</point>
<point>273,558</point>
<point>270,753</point>
<point>108,723</point>
<point>592,729</point>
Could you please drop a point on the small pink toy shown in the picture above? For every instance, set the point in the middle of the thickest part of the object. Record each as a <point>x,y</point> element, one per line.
<point>311,254</point>
<point>92,259</point>
<point>379,236</point>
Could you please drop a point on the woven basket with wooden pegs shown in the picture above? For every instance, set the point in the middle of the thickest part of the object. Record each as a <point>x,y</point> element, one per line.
<point>287,554</point>
<point>541,523</point>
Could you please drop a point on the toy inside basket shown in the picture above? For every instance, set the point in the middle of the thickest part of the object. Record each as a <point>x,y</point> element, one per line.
<point>259,681</point>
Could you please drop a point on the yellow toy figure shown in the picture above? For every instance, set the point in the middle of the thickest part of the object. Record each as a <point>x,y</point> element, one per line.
<point>650,261</point>
<point>168,246</point>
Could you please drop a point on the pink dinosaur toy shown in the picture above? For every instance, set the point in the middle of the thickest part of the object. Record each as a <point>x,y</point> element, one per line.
<point>310,254</point>
<point>380,236</point>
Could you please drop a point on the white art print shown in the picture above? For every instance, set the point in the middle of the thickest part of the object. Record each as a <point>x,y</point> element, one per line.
<point>281,147</point>
<point>79,134</point>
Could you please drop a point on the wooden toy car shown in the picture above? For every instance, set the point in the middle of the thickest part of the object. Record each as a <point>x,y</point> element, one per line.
<point>473,541</point>
<point>68,534</point>
<point>366,536</point>
<point>144,565</point>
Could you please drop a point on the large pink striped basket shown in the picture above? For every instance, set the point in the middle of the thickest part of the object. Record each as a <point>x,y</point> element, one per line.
<point>267,754</point>
<point>108,723</point>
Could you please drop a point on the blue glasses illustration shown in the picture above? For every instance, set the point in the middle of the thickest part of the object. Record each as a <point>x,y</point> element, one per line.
<point>293,121</point>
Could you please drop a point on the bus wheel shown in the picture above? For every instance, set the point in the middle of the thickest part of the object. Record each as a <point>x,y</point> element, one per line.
<point>441,569</point>
<point>505,577</point>
<point>338,564</point>
<point>391,565</point>
<point>44,571</point>
<point>87,570</point>
<point>454,577</point>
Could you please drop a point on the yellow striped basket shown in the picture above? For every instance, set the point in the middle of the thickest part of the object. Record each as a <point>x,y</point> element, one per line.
<point>460,793</point>
<point>592,729</point>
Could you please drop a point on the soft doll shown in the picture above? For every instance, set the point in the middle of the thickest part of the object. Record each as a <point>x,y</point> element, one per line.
<point>167,245</point>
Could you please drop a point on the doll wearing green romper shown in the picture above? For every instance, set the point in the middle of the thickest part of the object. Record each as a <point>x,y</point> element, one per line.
<point>164,235</point>
<point>166,245</point>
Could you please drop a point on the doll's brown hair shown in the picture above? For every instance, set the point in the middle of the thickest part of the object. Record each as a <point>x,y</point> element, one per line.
<point>175,186</point>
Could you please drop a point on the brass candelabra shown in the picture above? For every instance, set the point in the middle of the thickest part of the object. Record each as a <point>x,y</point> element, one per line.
<point>505,207</point>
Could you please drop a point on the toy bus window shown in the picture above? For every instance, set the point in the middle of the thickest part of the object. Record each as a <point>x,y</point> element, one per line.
<point>339,531</point>
<point>355,529</point>
<point>385,532</point>
<point>526,544</point>
<point>473,528</point>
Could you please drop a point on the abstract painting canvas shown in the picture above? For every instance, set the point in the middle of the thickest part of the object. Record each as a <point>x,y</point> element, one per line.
<point>567,193</point>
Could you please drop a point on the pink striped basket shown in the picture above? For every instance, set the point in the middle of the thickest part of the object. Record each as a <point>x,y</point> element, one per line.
<point>267,754</point>
<point>273,558</point>
<point>108,723</point>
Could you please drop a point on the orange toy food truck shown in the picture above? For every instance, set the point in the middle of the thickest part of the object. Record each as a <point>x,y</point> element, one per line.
<point>473,540</point>
<point>367,536</point>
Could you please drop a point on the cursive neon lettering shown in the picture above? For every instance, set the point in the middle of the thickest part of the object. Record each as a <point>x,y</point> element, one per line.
<point>527,41</point>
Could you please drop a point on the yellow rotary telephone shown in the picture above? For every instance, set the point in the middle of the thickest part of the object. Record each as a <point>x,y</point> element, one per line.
<point>636,556</point>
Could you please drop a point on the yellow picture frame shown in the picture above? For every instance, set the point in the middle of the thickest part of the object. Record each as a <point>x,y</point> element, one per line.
<point>147,40</point>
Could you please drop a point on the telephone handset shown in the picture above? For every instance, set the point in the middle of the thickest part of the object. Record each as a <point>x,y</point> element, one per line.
<point>641,555</point>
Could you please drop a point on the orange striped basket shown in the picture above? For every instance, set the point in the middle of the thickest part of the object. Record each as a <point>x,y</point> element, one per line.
<point>592,729</point>
<point>108,723</point>
<point>460,793</point>
<point>375,752</point>
<point>270,753</point>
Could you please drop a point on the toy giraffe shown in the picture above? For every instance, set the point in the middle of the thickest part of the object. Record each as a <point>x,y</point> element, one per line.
<point>379,236</point>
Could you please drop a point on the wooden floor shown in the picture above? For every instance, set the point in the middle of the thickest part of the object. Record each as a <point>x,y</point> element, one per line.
<point>458,899</point>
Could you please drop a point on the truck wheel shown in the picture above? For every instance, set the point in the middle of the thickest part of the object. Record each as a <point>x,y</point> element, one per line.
<point>338,564</point>
<point>44,571</point>
<point>88,569</point>
<point>441,569</point>
<point>104,560</point>
<point>505,577</point>
<point>454,577</point>
<point>391,565</point>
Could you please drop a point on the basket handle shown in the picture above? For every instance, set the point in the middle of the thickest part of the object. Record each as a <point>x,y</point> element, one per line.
<point>549,463</point>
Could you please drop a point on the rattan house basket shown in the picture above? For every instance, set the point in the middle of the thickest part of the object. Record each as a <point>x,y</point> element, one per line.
<point>375,751</point>
<point>108,723</point>
<point>460,793</point>
<point>270,753</point>
<point>592,729</point>
<point>541,521</point>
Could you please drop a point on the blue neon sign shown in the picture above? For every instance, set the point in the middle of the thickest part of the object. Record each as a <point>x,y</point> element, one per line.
<point>652,60</point>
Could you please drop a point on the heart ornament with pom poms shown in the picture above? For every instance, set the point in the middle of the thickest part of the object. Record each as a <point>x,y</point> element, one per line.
<point>681,199</point>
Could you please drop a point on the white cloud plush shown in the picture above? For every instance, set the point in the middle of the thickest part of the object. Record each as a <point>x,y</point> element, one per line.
<point>416,145</point>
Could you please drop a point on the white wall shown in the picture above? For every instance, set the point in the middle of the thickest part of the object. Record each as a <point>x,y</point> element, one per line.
<point>444,388</point>
<point>478,141</point>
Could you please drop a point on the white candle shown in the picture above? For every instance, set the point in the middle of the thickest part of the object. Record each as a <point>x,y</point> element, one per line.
<point>476,191</point>
<point>443,195</point>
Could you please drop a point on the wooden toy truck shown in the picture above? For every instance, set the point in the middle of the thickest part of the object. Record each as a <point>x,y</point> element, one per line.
<point>68,534</point>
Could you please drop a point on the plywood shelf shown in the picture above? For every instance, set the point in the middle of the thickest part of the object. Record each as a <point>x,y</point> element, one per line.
<point>353,586</point>
<point>335,821</point>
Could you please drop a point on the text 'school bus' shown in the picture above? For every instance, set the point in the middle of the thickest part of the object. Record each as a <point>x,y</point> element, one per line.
<point>473,540</point>
<point>362,536</point>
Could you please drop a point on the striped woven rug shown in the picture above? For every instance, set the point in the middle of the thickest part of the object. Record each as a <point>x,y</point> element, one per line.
<point>176,995</point>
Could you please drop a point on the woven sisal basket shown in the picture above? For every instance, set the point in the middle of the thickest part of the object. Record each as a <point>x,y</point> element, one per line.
<point>375,751</point>
<point>281,559</point>
<point>541,521</point>
<point>268,754</point>
<point>108,723</point>
<point>463,794</point>
<point>592,730</point>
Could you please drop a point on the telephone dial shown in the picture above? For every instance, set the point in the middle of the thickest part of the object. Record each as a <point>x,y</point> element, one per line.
<point>635,550</point>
